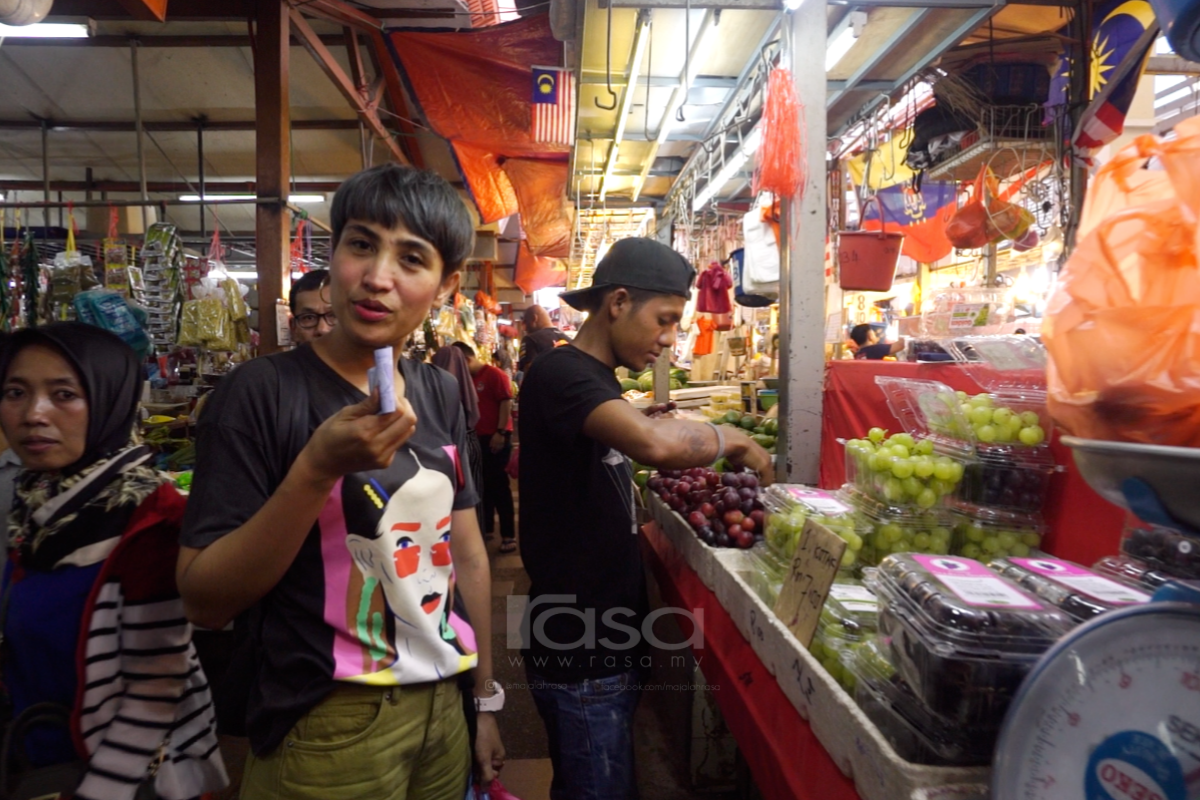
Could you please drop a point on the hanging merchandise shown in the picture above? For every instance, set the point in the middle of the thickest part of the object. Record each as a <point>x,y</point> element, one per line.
<point>704,339</point>
<point>741,295</point>
<point>116,257</point>
<point>485,298</point>
<point>987,218</point>
<point>759,273</point>
<point>71,273</point>
<point>781,163</point>
<point>30,278</point>
<point>1123,326</point>
<point>713,288</point>
<point>110,310</point>
<point>156,285</point>
<point>7,280</point>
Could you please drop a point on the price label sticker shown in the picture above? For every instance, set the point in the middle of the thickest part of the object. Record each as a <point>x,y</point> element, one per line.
<point>968,315</point>
<point>809,580</point>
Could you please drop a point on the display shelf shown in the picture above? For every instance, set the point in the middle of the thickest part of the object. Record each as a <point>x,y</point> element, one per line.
<point>1010,139</point>
<point>831,732</point>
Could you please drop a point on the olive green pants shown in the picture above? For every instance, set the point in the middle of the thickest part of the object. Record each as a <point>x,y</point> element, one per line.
<point>381,743</point>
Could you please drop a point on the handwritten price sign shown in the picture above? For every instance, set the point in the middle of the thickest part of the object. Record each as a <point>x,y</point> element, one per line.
<point>814,567</point>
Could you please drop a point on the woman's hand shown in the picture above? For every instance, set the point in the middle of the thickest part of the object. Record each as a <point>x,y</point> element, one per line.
<point>489,750</point>
<point>359,439</point>
<point>498,441</point>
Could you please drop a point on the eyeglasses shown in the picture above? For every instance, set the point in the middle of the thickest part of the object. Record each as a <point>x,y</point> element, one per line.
<point>310,321</point>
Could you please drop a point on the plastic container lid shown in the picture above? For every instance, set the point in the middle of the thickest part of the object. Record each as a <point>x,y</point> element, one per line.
<point>787,496</point>
<point>879,513</point>
<point>1132,571</point>
<point>1003,364</point>
<point>1076,590</point>
<point>917,735</point>
<point>959,606</point>
<point>929,410</point>
<point>1163,548</point>
<point>974,310</point>
<point>790,506</point>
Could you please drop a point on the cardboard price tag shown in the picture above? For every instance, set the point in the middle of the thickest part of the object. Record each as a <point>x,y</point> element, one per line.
<point>806,587</point>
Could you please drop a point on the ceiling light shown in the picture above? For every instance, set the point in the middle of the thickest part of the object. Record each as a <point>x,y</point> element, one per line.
<point>792,5</point>
<point>635,64</point>
<point>45,30</point>
<point>732,165</point>
<point>249,198</point>
<point>839,44</point>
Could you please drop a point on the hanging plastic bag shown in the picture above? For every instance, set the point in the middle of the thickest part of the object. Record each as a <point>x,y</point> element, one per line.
<point>1122,328</point>
<point>109,310</point>
<point>986,218</point>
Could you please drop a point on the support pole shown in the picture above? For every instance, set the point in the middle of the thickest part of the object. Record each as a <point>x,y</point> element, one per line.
<point>272,160</point>
<point>989,254</point>
<point>200,170</point>
<point>137,117</point>
<point>46,174</point>
<point>802,263</point>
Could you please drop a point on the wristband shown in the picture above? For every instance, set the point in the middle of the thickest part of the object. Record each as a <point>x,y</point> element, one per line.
<point>720,441</point>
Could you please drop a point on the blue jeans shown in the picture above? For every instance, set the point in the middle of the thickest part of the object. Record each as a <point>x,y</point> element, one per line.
<point>590,728</point>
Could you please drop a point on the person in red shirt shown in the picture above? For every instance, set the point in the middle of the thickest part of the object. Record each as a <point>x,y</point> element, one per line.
<point>494,390</point>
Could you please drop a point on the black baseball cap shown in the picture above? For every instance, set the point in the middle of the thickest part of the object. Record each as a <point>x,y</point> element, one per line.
<point>638,263</point>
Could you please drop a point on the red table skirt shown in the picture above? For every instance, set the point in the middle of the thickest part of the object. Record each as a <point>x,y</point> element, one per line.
<point>1083,526</point>
<point>787,761</point>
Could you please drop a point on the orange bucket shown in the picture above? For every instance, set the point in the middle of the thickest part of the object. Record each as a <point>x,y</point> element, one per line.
<point>867,259</point>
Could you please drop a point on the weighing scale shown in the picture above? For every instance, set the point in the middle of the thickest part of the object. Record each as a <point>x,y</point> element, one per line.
<point>1112,712</point>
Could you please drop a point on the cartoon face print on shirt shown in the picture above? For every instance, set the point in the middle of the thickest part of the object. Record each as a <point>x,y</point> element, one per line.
<point>409,555</point>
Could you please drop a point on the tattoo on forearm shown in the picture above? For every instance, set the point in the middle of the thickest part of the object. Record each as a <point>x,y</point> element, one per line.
<point>699,443</point>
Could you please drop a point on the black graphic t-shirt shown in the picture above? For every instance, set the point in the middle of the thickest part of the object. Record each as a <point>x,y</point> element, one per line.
<point>578,528</point>
<point>369,597</point>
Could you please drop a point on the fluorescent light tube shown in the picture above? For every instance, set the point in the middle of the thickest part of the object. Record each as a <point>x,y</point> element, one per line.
<point>838,46</point>
<point>45,30</point>
<point>249,198</point>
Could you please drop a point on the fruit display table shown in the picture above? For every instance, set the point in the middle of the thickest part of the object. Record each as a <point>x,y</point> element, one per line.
<point>1083,526</point>
<point>802,734</point>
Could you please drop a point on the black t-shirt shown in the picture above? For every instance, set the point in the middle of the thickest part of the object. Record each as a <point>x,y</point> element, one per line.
<point>539,342</point>
<point>874,351</point>
<point>369,597</point>
<point>578,528</point>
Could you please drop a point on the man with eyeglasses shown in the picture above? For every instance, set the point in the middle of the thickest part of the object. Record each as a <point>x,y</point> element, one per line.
<point>312,315</point>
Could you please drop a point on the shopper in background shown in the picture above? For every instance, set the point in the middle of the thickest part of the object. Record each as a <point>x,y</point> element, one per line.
<point>540,337</point>
<point>349,532</point>
<point>869,345</point>
<point>494,390</point>
<point>579,538</point>
<point>10,467</point>
<point>93,625</point>
<point>312,315</point>
<point>453,361</point>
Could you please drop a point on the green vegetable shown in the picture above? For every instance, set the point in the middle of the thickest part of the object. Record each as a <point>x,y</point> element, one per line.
<point>748,422</point>
<point>732,417</point>
<point>629,385</point>
<point>646,382</point>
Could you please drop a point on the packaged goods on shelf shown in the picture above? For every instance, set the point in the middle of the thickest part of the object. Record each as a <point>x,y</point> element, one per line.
<point>963,311</point>
<point>790,506</point>
<point>1133,571</point>
<point>888,529</point>
<point>915,733</point>
<point>1162,549</point>
<point>960,635</point>
<point>983,533</point>
<point>1076,590</point>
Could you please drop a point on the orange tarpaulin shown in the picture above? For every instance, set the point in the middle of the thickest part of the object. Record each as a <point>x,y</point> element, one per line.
<point>541,189</point>
<point>535,272</point>
<point>475,88</point>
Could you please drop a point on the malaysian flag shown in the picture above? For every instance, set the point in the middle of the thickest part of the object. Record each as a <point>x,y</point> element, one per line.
<point>553,103</point>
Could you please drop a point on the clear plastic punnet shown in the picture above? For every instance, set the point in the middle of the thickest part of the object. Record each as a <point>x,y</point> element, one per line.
<point>929,410</point>
<point>958,312</point>
<point>1077,590</point>
<point>790,506</point>
<point>889,529</point>
<point>916,734</point>
<point>1008,476</point>
<point>850,616</point>
<point>1003,364</point>
<point>960,635</point>
<point>1132,571</point>
<point>982,533</point>
<point>1162,548</point>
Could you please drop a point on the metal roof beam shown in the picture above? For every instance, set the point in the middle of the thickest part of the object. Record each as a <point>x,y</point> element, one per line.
<point>107,126</point>
<point>198,40</point>
<point>885,47</point>
<point>656,82</point>
<point>721,119</point>
<point>696,5</point>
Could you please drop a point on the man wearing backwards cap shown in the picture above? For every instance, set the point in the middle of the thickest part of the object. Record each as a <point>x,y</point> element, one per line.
<point>582,637</point>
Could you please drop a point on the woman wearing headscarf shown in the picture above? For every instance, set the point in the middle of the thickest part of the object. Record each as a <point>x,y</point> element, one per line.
<point>94,634</point>
<point>453,361</point>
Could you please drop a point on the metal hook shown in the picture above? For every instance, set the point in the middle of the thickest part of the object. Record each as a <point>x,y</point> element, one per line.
<point>608,69</point>
<point>687,58</point>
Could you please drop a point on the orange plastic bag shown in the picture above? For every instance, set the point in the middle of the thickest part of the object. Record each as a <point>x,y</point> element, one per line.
<point>1122,328</point>
<point>986,218</point>
<point>781,165</point>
